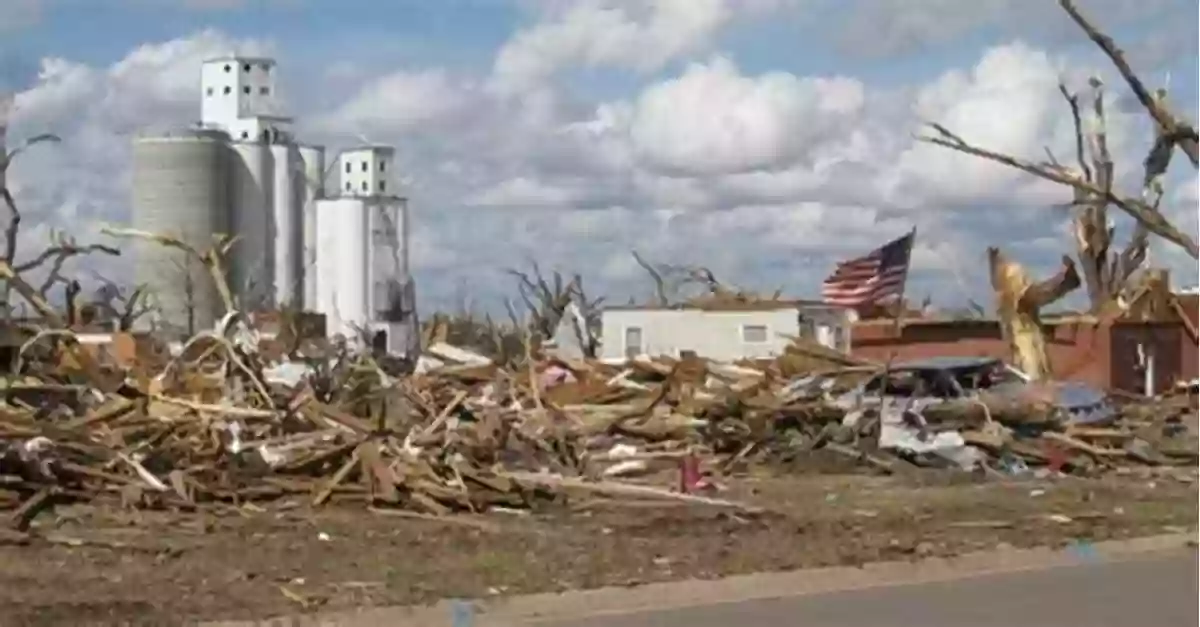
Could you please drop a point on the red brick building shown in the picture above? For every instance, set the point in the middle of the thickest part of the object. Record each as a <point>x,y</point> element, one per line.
<point>1101,350</point>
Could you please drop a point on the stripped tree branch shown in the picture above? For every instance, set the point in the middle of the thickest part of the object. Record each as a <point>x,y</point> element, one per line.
<point>1138,209</point>
<point>1170,126</point>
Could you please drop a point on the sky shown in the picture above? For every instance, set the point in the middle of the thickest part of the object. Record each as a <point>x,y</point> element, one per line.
<point>762,139</point>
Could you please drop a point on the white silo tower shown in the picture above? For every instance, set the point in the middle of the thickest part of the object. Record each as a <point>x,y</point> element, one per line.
<point>250,262</point>
<point>180,189</point>
<point>239,96</point>
<point>288,223</point>
<point>312,188</point>
<point>362,237</point>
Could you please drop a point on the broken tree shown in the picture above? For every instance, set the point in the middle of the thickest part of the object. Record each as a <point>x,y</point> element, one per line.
<point>1105,273</point>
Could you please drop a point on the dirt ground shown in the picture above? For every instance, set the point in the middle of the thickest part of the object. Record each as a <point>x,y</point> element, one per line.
<point>122,567</point>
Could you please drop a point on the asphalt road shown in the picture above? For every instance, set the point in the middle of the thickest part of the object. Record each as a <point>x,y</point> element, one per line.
<point>1147,592</point>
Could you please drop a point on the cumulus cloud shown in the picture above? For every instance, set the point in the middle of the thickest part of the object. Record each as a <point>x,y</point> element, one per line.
<point>877,28</point>
<point>766,177</point>
<point>83,183</point>
<point>713,120</point>
<point>396,102</point>
<point>640,35</point>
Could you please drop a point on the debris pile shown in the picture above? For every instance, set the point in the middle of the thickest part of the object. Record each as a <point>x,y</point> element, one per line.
<point>232,418</point>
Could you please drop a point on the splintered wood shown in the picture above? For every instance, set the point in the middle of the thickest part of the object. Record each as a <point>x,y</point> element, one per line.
<point>223,424</point>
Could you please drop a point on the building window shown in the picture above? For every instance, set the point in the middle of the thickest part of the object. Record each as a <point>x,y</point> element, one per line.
<point>633,342</point>
<point>382,166</point>
<point>266,136</point>
<point>754,333</point>
<point>366,167</point>
<point>347,186</point>
<point>382,186</point>
<point>227,68</point>
<point>347,167</point>
<point>246,68</point>
<point>228,90</point>
<point>839,338</point>
<point>364,186</point>
<point>245,135</point>
<point>266,67</point>
<point>246,90</point>
<point>264,90</point>
<point>208,92</point>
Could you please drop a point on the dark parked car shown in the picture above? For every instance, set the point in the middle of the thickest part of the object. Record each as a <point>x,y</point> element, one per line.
<point>964,377</point>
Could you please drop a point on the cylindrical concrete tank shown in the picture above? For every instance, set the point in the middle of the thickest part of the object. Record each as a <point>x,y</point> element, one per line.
<point>312,188</point>
<point>288,224</point>
<point>343,267</point>
<point>251,263</point>
<point>180,189</point>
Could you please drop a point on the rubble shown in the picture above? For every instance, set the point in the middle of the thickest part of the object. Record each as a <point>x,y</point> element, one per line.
<point>228,418</point>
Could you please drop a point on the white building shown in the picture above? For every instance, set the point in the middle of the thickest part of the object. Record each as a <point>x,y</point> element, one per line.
<point>724,332</point>
<point>243,173</point>
<point>363,284</point>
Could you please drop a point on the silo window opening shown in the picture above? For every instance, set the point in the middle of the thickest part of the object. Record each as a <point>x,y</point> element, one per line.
<point>379,341</point>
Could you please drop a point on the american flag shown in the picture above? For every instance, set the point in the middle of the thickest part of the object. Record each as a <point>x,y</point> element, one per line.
<point>874,277</point>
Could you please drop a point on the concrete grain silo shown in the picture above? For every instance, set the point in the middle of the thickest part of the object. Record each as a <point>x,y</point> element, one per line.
<point>180,189</point>
<point>251,262</point>
<point>288,222</point>
<point>312,188</point>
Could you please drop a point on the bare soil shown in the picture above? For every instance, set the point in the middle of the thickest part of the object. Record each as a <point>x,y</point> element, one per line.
<point>124,567</point>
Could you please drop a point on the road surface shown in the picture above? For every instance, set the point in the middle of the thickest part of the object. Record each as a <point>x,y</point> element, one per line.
<point>1146,592</point>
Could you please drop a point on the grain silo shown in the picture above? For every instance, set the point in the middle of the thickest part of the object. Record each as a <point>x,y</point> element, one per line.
<point>287,222</point>
<point>180,189</point>
<point>251,262</point>
<point>312,188</point>
<point>343,271</point>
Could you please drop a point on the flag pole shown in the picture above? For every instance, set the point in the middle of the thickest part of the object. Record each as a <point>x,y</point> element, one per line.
<point>897,323</point>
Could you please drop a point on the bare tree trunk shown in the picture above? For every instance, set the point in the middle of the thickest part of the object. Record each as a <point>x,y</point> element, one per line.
<point>1019,303</point>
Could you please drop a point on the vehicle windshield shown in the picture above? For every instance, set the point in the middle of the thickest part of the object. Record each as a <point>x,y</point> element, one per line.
<point>986,376</point>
